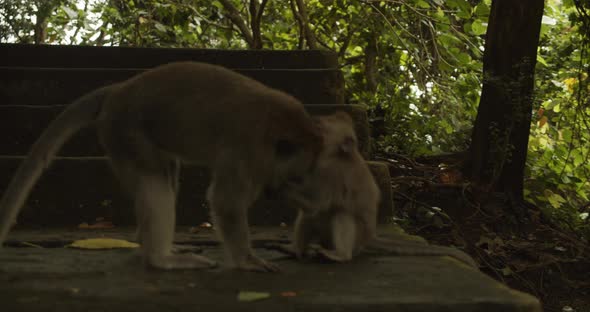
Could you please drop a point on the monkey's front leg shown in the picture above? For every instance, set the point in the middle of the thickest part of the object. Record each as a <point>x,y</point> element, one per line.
<point>343,233</point>
<point>230,198</point>
<point>303,235</point>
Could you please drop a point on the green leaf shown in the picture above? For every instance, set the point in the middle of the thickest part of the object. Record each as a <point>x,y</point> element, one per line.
<point>554,199</point>
<point>160,27</point>
<point>541,60</point>
<point>423,4</point>
<point>464,58</point>
<point>462,6</point>
<point>482,10</point>
<point>439,12</point>
<point>478,27</point>
<point>72,14</point>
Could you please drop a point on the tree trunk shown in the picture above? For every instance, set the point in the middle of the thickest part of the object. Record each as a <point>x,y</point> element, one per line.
<point>44,10</point>
<point>500,135</point>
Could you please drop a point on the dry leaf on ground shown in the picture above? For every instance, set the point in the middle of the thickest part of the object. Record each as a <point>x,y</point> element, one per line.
<point>102,243</point>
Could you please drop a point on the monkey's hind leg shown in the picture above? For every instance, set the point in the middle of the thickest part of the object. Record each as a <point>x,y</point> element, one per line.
<point>154,194</point>
<point>230,195</point>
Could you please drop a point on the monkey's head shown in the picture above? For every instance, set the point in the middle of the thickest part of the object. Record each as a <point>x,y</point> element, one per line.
<point>297,142</point>
<point>339,137</point>
<point>338,153</point>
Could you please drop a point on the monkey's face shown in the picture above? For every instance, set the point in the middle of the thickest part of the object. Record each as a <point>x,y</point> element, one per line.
<point>294,161</point>
<point>340,141</point>
<point>317,189</point>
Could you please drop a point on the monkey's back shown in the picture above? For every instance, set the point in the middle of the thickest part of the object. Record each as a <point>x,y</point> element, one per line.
<point>180,102</point>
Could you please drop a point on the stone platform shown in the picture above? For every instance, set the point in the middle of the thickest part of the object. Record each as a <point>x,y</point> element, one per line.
<point>65,279</point>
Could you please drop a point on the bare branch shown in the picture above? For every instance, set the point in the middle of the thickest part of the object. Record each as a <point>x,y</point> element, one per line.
<point>297,17</point>
<point>309,36</point>
<point>234,15</point>
<point>255,19</point>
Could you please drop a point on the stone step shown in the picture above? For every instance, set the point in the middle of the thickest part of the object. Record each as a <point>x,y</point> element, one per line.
<point>81,189</point>
<point>20,126</point>
<point>59,86</point>
<point>30,55</point>
<point>68,280</point>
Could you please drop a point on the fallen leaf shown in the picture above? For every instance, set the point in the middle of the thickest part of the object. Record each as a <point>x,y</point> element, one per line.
<point>248,296</point>
<point>288,294</point>
<point>102,243</point>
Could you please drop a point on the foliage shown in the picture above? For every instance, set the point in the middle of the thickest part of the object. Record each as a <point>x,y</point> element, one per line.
<point>415,63</point>
<point>559,145</point>
<point>427,61</point>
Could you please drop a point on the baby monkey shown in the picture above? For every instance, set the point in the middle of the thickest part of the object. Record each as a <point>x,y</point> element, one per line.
<point>338,203</point>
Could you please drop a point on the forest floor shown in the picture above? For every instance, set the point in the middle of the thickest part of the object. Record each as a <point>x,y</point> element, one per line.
<point>538,258</point>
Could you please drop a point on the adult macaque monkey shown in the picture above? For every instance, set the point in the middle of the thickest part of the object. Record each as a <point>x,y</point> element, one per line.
<point>338,203</point>
<point>249,135</point>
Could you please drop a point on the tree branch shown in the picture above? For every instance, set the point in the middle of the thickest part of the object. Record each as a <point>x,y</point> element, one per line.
<point>309,36</point>
<point>297,17</point>
<point>234,15</point>
<point>255,19</point>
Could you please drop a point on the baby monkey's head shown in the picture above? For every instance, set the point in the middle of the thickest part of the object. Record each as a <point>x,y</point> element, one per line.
<point>317,189</point>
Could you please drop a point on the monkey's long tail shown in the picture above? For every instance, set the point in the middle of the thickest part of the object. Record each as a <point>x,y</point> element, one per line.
<point>80,113</point>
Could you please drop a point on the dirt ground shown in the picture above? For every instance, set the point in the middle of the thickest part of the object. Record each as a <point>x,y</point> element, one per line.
<point>536,257</point>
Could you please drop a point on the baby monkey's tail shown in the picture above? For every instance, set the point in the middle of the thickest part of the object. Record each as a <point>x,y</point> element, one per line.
<point>83,112</point>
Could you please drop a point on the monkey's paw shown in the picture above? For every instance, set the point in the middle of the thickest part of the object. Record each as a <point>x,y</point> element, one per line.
<point>288,249</point>
<point>253,263</point>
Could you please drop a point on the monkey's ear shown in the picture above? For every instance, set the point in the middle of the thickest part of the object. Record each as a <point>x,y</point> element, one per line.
<point>347,146</point>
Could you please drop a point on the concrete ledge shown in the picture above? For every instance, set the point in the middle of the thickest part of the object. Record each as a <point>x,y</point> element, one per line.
<point>63,279</point>
<point>31,55</point>
<point>380,171</point>
<point>59,86</point>
<point>80,189</point>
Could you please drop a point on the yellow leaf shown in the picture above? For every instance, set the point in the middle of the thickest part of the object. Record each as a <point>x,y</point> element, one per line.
<point>570,82</point>
<point>247,296</point>
<point>102,243</point>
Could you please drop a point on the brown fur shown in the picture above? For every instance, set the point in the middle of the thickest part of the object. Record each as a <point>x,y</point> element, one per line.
<point>249,135</point>
<point>338,203</point>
